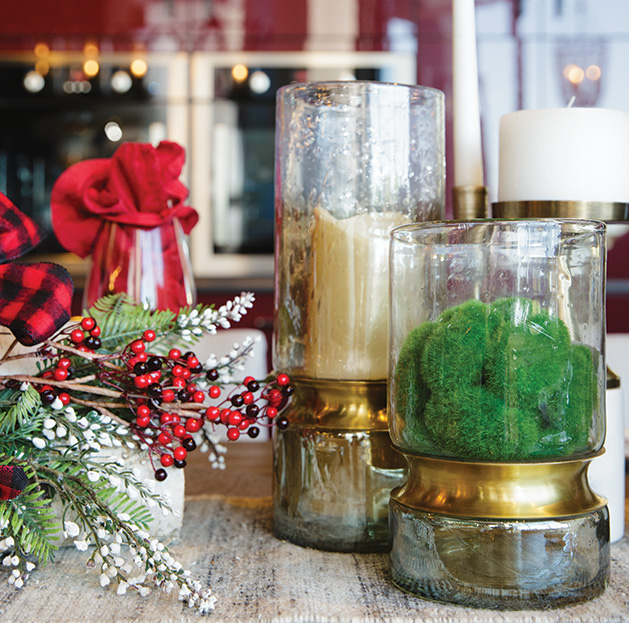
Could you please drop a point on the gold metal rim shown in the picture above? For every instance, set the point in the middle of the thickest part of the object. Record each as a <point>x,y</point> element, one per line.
<point>338,405</point>
<point>608,211</point>
<point>515,491</point>
<point>470,202</point>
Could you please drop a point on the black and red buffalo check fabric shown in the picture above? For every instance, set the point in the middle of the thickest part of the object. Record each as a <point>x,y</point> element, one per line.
<point>35,299</point>
<point>13,481</point>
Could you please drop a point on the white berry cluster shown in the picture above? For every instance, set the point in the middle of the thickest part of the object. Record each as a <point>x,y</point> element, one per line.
<point>20,569</point>
<point>210,320</point>
<point>128,558</point>
<point>92,431</point>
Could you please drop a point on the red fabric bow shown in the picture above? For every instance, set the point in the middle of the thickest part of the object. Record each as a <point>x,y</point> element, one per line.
<point>35,299</point>
<point>138,186</point>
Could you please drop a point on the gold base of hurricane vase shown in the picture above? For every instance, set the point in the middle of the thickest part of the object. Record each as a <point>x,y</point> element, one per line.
<point>608,211</point>
<point>507,536</point>
<point>334,467</point>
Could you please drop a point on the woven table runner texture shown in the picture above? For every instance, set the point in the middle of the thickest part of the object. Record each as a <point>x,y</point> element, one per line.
<point>227,544</point>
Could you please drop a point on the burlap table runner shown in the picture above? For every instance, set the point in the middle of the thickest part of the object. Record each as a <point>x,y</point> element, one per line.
<point>227,543</point>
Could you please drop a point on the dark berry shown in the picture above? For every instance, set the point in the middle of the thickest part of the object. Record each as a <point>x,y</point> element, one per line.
<point>48,396</point>
<point>196,369</point>
<point>154,364</point>
<point>211,375</point>
<point>289,390</point>
<point>237,400</point>
<point>189,444</point>
<point>154,390</point>
<point>180,464</point>
<point>281,422</point>
<point>183,395</point>
<point>140,368</point>
<point>92,342</point>
<point>253,432</point>
<point>252,410</point>
<point>253,386</point>
<point>161,474</point>
<point>155,401</point>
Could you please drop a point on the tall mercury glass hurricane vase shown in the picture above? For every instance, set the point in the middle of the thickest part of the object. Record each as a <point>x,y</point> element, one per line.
<point>353,161</point>
<point>497,400</point>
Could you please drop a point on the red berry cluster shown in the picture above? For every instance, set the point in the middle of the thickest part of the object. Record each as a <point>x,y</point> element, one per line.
<point>169,406</point>
<point>85,337</point>
<point>165,395</point>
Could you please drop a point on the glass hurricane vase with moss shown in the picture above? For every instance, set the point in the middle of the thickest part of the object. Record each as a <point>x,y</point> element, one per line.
<point>497,401</point>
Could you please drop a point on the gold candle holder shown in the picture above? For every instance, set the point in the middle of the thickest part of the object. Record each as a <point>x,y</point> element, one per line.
<point>607,211</point>
<point>470,202</point>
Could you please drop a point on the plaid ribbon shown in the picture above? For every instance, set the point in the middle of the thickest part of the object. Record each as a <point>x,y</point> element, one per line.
<point>13,481</point>
<point>35,299</point>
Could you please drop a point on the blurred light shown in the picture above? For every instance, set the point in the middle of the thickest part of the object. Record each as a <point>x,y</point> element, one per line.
<point>91,68</point>
<point>240,73</point>
<point>42,67</point>
<point>77,86</point>
<point>259,82</point>
<point>573,73</point>
<point>90,49</point>
<point>138,67</point>
<point>113,131</point>
<point>121,81</point>
<point>154,88</point>
<point>593,72</point>
<point>34,81</point>
<point>41,49</point>
<point>346,75</point>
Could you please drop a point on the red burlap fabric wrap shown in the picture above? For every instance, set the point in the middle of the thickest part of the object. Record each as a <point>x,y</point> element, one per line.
<point>138,186</point>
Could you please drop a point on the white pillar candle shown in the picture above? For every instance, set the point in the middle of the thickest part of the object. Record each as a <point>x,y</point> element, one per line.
<point>468,159</point>
<point>564,154</point>
<point>607,472</point>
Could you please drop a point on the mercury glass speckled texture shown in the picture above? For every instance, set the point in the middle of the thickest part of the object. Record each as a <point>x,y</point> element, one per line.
<point>353,160</point>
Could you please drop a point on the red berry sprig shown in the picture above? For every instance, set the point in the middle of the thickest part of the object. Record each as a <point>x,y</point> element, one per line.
<point>165,395</point>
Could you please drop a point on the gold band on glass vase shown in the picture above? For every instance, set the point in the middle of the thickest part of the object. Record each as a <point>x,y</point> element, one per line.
<point>339,405</point>
<point>517,491</point>
<point>608,211</point>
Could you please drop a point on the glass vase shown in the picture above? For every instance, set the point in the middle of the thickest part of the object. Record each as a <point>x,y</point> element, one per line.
<point>152,266</point>
<point>497,400</point>
<point>353,160</point>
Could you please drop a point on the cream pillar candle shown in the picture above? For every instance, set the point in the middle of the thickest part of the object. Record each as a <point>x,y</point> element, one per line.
<point>564,154</point>
<point>347,326</point>
<point>468,159</point>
